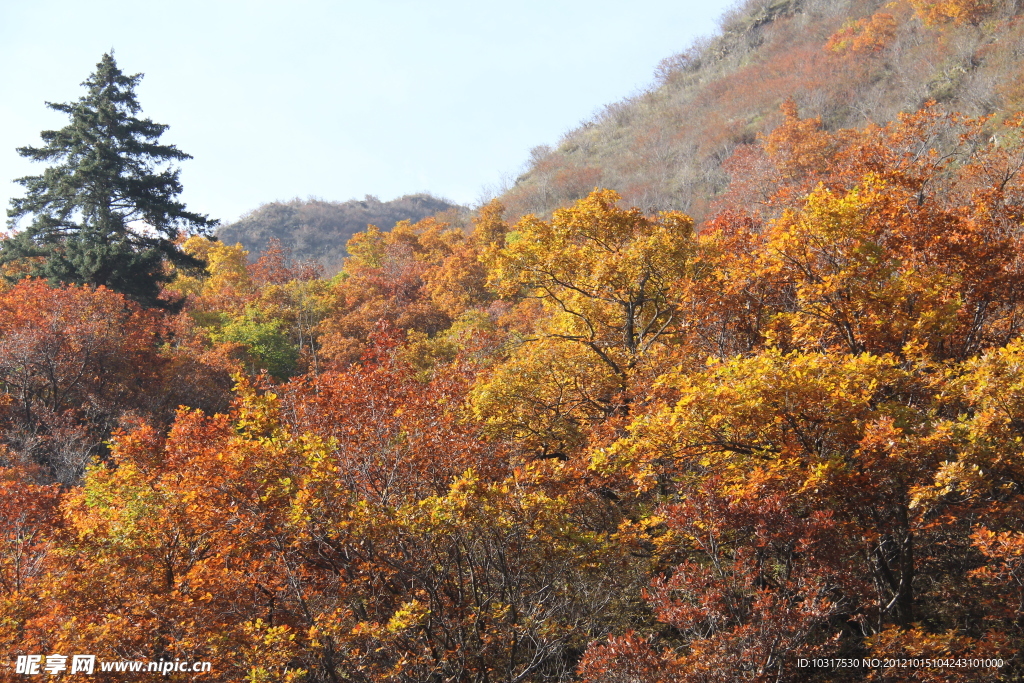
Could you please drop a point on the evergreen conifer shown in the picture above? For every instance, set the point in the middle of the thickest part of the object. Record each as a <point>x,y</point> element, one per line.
<point>106,213</point>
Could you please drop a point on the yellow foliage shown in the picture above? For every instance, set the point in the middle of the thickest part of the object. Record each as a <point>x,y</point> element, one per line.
<point>607,278</point>
<point>545,395</point>
<point>366,248</point>
<point>812,409</point>
<point>225,268</point>
<point>852,290</point>
<point>987,440</point>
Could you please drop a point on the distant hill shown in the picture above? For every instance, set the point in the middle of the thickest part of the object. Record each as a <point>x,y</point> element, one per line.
<point>849,62</point>
<point>315,229</point>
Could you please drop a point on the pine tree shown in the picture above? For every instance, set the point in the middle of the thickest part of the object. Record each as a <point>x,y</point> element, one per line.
<point>106,213</point>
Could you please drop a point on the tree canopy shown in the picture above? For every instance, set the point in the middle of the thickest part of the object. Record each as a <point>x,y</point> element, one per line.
<point>781,444</point>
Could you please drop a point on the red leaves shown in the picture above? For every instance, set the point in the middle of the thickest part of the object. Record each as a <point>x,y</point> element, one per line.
<point>77,362</point>
<point>394,436</point>
<point>72,359</point>
<point>759,584</point>
<point>627,659</point>
<point>28,519</point>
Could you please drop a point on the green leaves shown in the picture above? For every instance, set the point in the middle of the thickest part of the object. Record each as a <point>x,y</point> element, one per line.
<point>267,347</point>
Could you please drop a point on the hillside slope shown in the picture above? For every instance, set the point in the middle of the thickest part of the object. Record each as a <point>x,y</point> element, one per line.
<point>314,229</point>
<point>849,62</point>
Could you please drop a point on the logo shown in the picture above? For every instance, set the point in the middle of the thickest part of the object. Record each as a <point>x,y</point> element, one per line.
<point>54,664</point>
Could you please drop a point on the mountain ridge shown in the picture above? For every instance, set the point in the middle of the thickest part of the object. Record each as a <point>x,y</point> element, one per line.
<point>314,229</point>
<point>848,62</point>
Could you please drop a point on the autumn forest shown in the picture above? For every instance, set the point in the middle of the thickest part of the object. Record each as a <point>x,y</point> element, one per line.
<point>777,438</point>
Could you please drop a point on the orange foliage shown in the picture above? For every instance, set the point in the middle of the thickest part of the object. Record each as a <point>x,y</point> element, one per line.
<point>937,12</point>
<point>864,36</point>
<point>419,278</point>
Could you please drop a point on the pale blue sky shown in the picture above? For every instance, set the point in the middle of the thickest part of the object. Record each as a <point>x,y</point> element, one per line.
<point>339,99</point>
